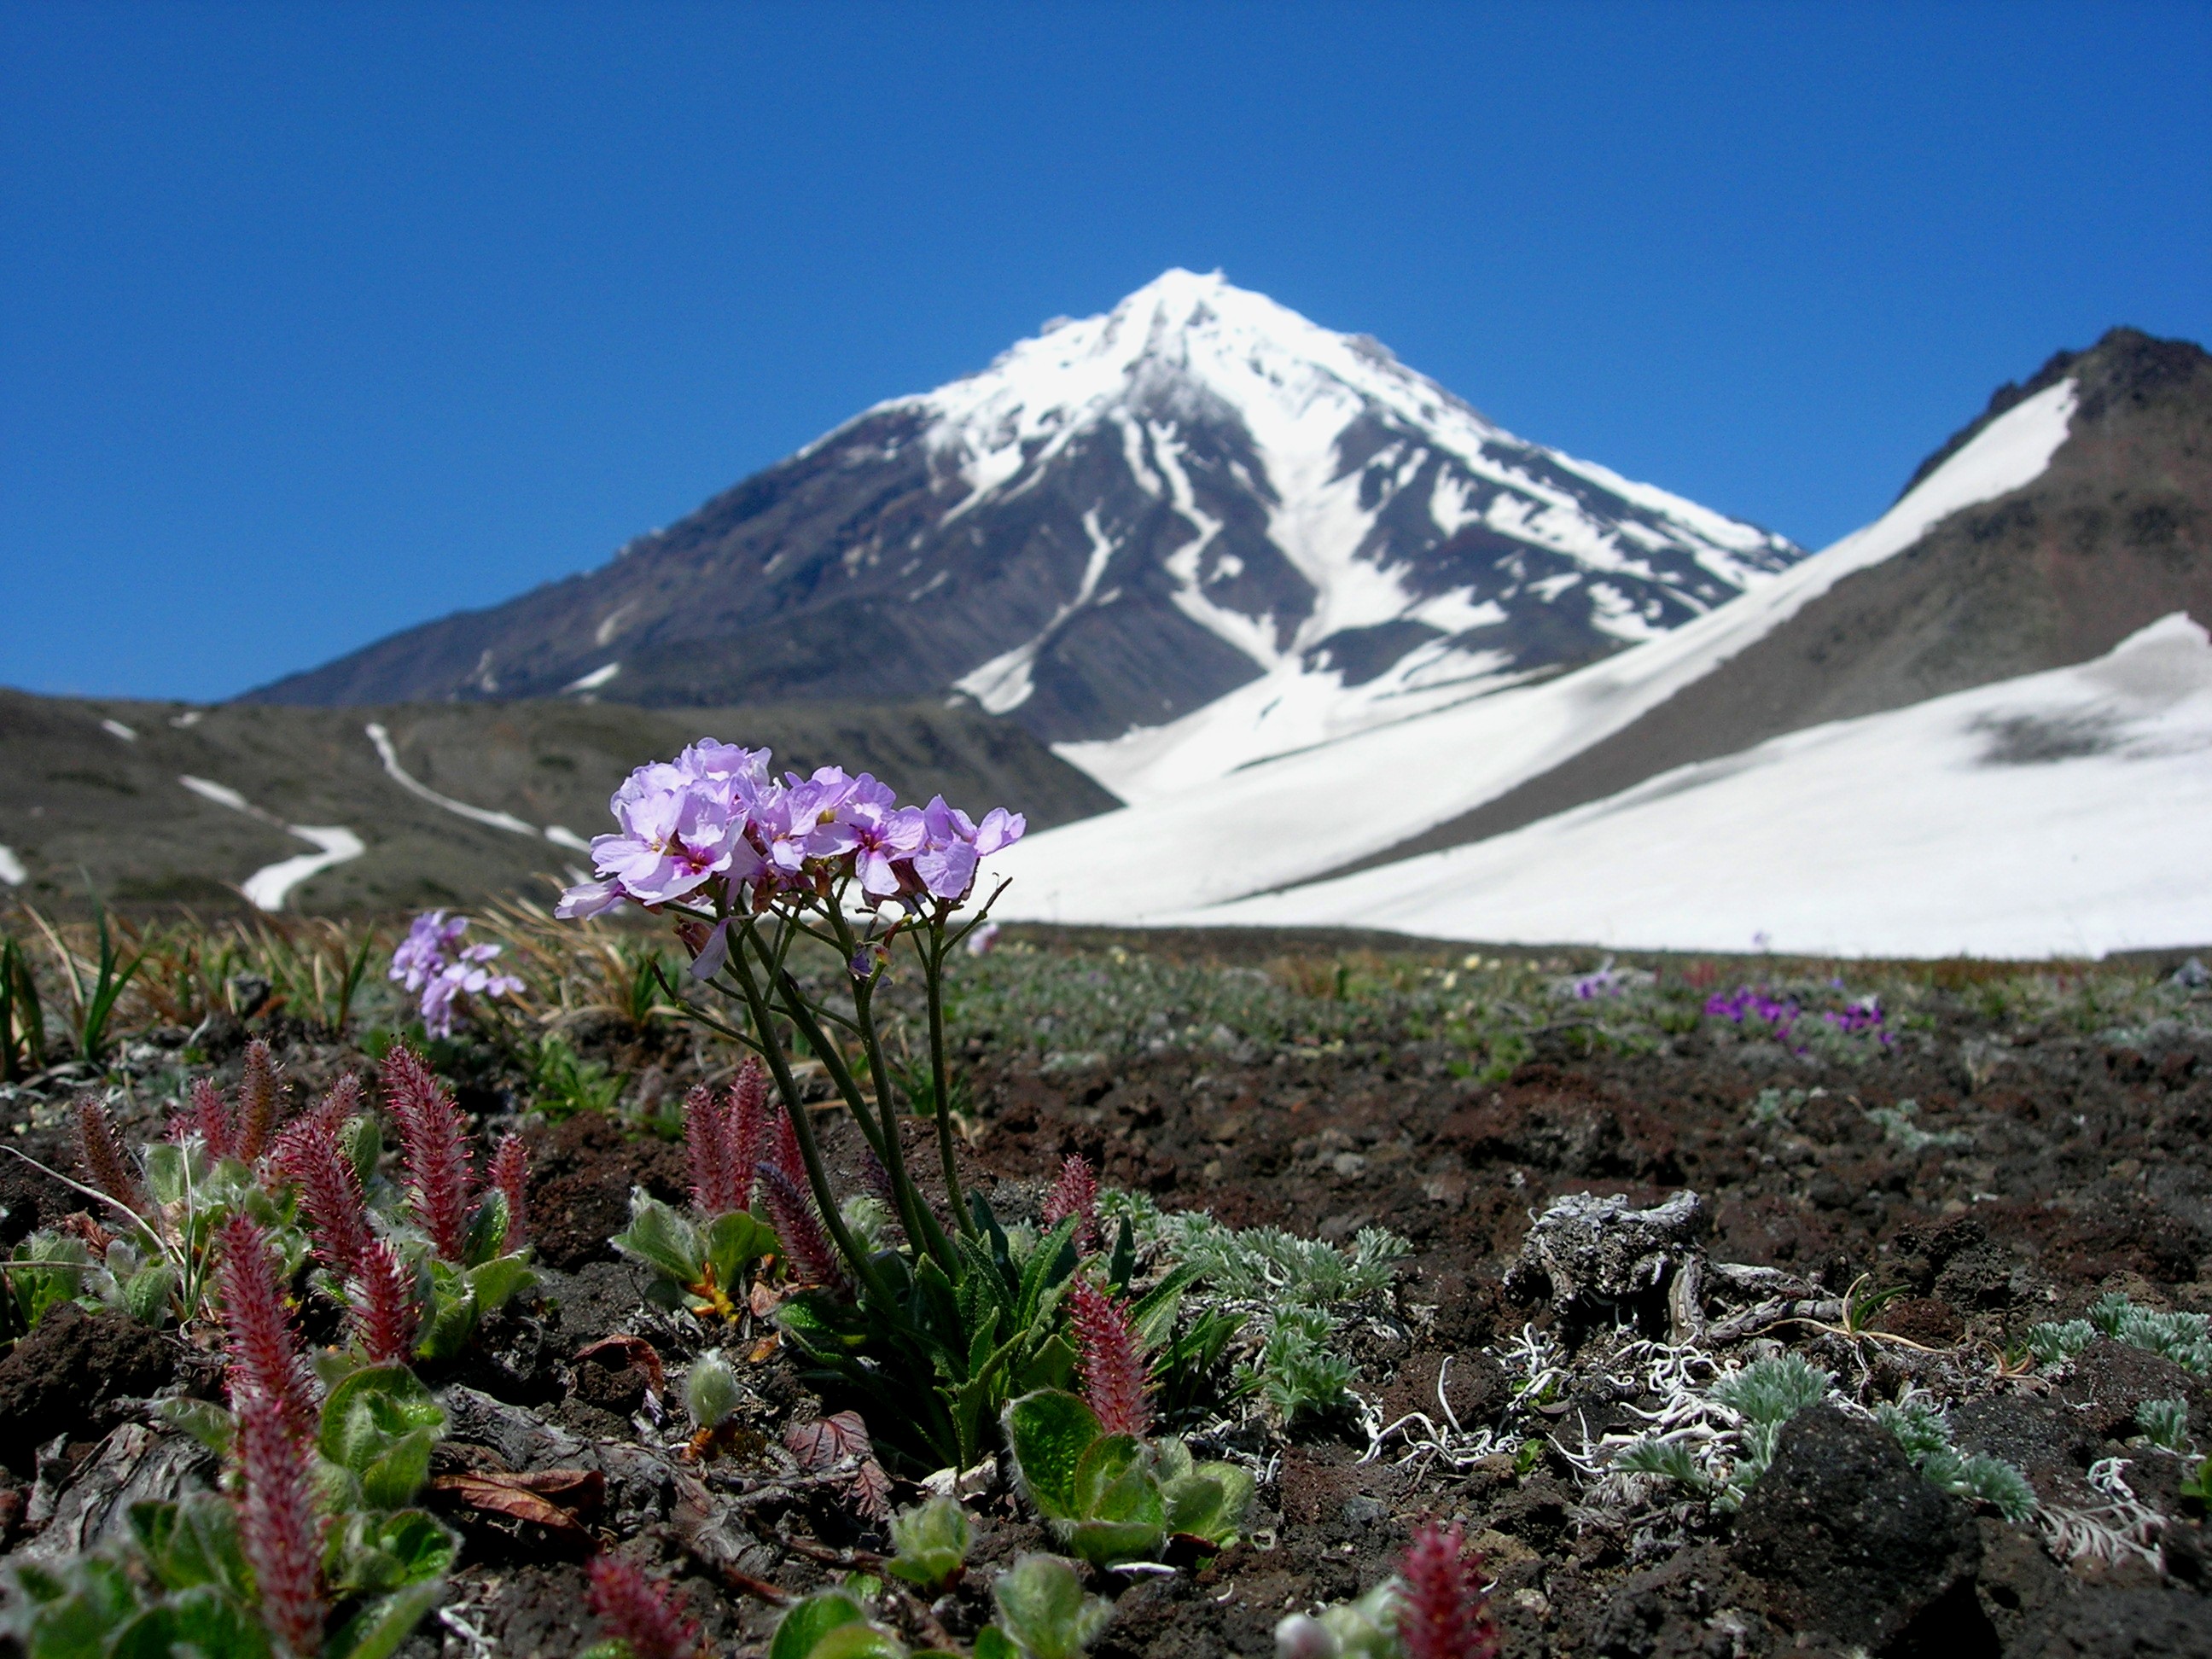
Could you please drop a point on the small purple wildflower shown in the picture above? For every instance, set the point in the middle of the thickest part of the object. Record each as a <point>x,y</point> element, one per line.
<point>432,963</point>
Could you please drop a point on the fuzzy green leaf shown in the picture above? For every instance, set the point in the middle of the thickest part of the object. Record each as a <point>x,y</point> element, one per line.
<point>809,1621</point>
<point>1050,1432</point>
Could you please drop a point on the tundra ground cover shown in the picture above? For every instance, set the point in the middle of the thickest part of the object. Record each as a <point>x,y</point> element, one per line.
<point>1298,1094</point>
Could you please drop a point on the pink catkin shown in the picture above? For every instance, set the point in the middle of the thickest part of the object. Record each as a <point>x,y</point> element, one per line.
<point>1075,1194</point>
<point>100,1151</point>
<point>510,1178</point>
<point>807,1247</point>
<point>260,1101</point>
<point>383,1320</point>
<point>785,1155</point>
<point>706,1139</point>
<point>639,1611</point>
<point>210,1119</point>
<point>277,1525</point>
<point>1112,1366</point>
<point>434,1147</point>
<point>266,1363</point>
<point>1442,1613</point>
<point>308,1154</point>
<point>341,1105</point>
<point>746,1126</point>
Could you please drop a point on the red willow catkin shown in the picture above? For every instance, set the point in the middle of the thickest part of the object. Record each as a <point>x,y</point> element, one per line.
<point>434,1145</point>
<point>805,1246</point>
<point>510,1178</point>
<point>260,1101</point>
<point>1111,1363</point>
<point>709,1148</point>
<point>100,1151</point>
<point>1075,1194</point>
<point>308,1154</point>
<point>1442,1613</point>
<point>270,1394</point>
<point>383,1319</point>
<point>639,1611</point>
<point>209,1118</point>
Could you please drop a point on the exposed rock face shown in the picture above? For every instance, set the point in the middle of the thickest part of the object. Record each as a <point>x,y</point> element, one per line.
<point>1118,521</point>
<point>1857,1548</point>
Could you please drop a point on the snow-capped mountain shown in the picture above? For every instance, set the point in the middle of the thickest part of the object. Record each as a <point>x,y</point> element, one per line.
<point>1983,722</point>
<point>1127,519</point>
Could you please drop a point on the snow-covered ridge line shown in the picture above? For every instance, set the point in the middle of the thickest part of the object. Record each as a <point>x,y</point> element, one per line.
<point>1287,820</point>
<point>267,888</point>
<point>389,755</point>
<point>2049,814</point>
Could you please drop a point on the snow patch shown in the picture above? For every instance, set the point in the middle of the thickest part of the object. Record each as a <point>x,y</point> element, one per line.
<point>267,888</point>
<point>1003,684</point>
<point>11,867</point>
<point>597,677</point>
<point>117,728</point>
<point>390,755</point>
<point>1908,833</point>
<point>1285,817</point>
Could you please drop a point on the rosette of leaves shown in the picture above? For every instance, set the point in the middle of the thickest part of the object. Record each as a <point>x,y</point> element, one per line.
<point>179,1581</point>
<point>980,1336</point>
<point>1113,1498</point>
<point>930,1543</point>
<point>697,1265</point>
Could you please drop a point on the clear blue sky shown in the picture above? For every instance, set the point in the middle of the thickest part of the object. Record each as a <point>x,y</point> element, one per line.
<point>317,321</point>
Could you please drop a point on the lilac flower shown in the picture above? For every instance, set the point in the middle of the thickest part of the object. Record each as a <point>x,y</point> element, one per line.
<point>428,947</point>
<point>980,941</point>
<point>880,834</point>
<point>432,961</point>
<point>679,832</point>
<point>956,844</point>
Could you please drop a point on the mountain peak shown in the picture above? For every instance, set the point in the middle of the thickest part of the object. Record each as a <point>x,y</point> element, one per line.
<point>1122,519</point>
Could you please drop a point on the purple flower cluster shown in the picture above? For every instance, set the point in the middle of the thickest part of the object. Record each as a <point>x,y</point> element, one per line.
<point>1748,1004</point>
<point>715,815</point>
<point>433,963</point>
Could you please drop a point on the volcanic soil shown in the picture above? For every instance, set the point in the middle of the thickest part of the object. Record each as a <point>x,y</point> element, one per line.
<point>2038,1170</point>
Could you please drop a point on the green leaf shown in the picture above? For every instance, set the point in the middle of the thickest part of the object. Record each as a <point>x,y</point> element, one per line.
<point>374,1553</point>
<point>364,1147</point>
<point>1154,1314</point>
<point>931,1540</point>
<point>810,1620</point>
<point>662,1239</point>
<point>486,1229</point>
<point>205,1421</point>
<point>378,1426</point>
<point>167,1172</point>
<point>146,1292</point>
<point>377,1631</point>
<point>1051,1264</point>
<point>1042,1608</point>
<point>493,1282</point>
<point>1121,1264</point>
<point>858,1641</point>
<point>1053,1367</point>
<point>734,1241</point>
<point>199,1622</point>
<point>992,1642</point>
<point>1050,1432</point>
<point>453,1315</point>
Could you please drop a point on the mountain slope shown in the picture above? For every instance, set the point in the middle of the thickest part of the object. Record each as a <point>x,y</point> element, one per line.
<point>412,805</point>
<point>2115,534</point>
<point>1119,522</point>
<point>1300,816</point>
<point>2062,813</point>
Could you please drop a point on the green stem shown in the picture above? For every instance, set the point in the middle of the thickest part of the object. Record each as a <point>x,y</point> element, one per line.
<point>940,1077</point>
<point>922,1226</point>
<point>809,1152</point>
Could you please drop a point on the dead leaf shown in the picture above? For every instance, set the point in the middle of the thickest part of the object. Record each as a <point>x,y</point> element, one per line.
<point>530,1497</point>
<point>636,1350</point>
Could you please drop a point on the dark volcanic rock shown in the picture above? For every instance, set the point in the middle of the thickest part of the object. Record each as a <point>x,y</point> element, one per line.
<point>66,1376</point>
<point>1854,1546</point>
